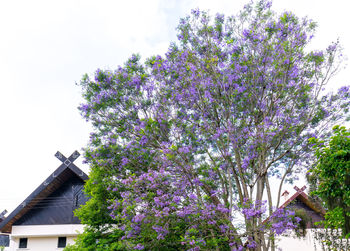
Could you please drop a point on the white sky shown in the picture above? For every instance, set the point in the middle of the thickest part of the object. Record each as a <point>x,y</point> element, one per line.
<point>46,46</point>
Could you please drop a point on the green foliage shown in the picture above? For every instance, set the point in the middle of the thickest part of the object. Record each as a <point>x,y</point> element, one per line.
<point>331,177</point>
<point>334,218</point>
<point>305,219</point>
<point>100,232</point>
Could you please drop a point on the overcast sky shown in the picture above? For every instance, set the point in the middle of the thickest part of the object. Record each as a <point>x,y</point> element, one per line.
<point>46,46</point>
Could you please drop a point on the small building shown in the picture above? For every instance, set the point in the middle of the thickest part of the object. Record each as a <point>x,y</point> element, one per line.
<point>4,238</point>
<point>45,220</point>
<point>310,212</point>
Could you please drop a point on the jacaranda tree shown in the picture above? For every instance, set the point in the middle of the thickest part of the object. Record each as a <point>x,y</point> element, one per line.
<point>193,141</point>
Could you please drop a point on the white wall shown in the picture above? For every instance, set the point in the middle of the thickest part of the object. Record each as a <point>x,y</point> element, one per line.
<point>39,243</point>
<point>47,230</point>
<point>43,237</point>
<point>290,242</point>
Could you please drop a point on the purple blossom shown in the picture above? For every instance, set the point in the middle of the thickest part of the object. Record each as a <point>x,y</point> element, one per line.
<point>183,139</point>
<point>139,247</point>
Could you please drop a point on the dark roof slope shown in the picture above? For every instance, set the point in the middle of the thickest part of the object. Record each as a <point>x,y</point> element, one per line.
<point>63,173</point>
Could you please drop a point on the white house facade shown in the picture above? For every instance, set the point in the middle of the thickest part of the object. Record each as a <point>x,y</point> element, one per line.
<point>44,237</point>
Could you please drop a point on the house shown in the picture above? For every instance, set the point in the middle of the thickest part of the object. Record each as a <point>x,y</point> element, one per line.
<point>310,212</point>
<point>4,238</point>
<point>45,220</point>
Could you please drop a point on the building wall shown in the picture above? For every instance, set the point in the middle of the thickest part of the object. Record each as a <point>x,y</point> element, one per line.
<point>47,230</point>
<point>39,243</point>
<point>43,237</point>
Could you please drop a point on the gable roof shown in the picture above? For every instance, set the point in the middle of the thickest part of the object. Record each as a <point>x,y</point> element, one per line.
<point>65,171</point>
<point>303,197</point>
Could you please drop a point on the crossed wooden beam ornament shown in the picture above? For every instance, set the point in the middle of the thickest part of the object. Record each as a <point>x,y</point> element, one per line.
<point>69,160</point>
<point>300,190</point>
<point>66,161</point>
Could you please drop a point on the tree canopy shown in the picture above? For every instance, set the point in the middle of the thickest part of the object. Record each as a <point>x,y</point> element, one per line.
<point>189,143</point>
<point>331,178</point>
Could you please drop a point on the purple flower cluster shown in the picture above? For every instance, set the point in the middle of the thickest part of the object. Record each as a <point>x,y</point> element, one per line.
<point>253,210</point>
<point>282,220</point>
